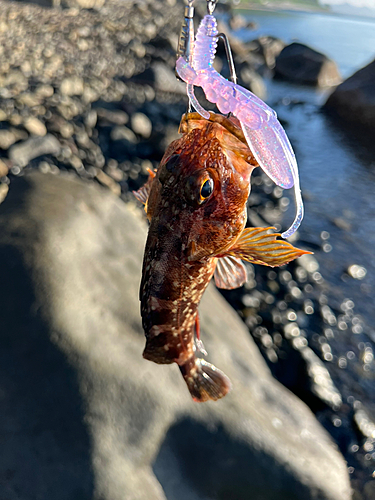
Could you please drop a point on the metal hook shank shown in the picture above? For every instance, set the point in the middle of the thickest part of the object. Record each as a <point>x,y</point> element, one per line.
<point>228,51</point>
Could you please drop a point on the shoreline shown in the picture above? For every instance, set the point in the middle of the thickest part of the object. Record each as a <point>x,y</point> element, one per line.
<point>289,7</point>
<point>281,7</point>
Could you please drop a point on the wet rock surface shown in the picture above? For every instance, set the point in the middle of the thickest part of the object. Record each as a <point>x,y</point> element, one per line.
<point>300,63</point>
<point>85,415</point>
<point>354,100</point>
<point>86,76</point>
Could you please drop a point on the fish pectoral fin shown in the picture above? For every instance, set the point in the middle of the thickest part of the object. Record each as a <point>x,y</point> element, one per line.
<point>258,246</point>
<point>143,193</point>
<point>230,272</point>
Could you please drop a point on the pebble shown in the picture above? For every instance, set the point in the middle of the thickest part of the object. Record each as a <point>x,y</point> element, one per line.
<point>66,129</point>
<point>35,126</point>
<point>15,119</point>
<point>4,169</point>
<point>44,91</point>
<point>29,99</point>
<point>7,138</point>
<point>72,86</point>
<point>141,125</point>
<point>117,117</point>
<point>120,133</point>
<point>22,154</point>
<point>4,188</point>
<point>19,134</point>
<point>91,118</point>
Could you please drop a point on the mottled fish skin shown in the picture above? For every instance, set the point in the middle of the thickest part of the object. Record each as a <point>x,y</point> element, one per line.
<point>188,233</point>
<point>184,236</point>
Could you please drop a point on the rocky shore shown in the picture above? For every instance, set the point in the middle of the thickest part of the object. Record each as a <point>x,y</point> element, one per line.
<point>92,93</point>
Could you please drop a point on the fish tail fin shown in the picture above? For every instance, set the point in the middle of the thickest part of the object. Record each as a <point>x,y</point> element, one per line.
<point>204,380</point>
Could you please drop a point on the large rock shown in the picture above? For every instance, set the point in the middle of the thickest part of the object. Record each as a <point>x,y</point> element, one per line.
<point>354,99</point>
<point>84,416</point>
<point>299,63</point>
<point>268,47</point>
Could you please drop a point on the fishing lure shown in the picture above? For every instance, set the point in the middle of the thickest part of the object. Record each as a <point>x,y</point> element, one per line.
<point>263,132</point>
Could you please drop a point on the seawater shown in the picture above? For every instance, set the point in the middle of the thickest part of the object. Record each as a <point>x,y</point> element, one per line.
<point>337,171</point>
<point>349,41</point>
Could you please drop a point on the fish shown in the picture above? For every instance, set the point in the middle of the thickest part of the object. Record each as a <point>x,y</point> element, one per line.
<point>196,206</point>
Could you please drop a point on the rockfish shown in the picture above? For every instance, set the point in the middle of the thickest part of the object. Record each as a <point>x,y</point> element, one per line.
<point>196,205</point>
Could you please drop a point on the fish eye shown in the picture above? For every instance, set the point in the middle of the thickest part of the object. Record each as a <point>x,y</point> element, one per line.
<point>207,189</point>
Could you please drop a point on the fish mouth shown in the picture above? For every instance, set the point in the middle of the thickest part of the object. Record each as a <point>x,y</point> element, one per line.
<point>231,138</point>
<point>231,124</point>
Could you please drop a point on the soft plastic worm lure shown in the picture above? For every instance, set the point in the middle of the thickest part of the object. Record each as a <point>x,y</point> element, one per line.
<point>263,132</point>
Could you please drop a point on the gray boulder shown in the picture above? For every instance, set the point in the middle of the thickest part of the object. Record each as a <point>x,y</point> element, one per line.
<point>299,63</point>
<point>83,415</point>
<point>354,99</point>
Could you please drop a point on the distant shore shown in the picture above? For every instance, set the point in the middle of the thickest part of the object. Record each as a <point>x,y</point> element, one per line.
<point>282,6</point>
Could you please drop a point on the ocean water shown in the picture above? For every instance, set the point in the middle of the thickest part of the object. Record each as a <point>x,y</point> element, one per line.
<point>337,169</point>
<point>350,41</point>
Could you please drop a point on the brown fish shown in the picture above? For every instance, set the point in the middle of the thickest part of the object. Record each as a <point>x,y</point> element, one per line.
<point>196,204</point>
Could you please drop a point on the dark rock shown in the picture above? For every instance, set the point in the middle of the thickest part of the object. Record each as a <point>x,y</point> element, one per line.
<point>299,63</point>
<point>85,416</point>
<point>268,47</point>
<point>354,99</point>
<point>21,154</point>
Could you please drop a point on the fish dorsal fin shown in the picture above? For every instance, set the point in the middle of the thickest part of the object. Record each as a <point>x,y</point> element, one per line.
<point>144,192</point>
<point>229,273</point>
<point>258,246</point>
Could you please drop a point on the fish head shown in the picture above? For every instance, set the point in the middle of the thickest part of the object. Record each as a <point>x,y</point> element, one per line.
<point>202,185</point>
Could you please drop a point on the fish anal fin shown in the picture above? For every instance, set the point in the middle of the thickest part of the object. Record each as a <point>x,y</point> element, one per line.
<point>143,193</point>
<point>230,273</point>
<point>258,246</point>
<point>198,342</point>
